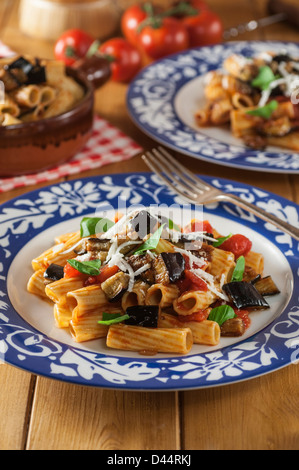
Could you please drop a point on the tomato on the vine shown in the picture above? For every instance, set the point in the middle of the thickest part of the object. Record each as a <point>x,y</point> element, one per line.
<point>204,29</point>
<point>72,46</point>
<point>167,37</point>
<point>125,59</point>
<point>130,21</point>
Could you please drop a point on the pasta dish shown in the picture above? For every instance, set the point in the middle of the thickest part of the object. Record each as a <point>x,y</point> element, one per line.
<point>257,97</point>
<point>147,285</point>
<point>35,89</point>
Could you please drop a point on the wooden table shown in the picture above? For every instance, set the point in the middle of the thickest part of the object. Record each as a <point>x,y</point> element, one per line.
<point>38,413</point>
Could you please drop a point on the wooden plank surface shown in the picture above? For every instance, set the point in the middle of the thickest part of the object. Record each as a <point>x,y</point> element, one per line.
<point>38,413</point>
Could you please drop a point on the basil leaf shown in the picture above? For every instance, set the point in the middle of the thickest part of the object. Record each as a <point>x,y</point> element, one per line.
<point>92,225</point>
<point>221,314</point>
<point>92,268</point>
<point>112,318</point>
<point>221,240</point>
<point>151,243</point>
<point>239,270</point>
<point>265,111</point>
<point>264,78</point>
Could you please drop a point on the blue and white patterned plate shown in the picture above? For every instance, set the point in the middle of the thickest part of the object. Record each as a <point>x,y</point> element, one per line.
<point>29,339</point>
<point>163,98</point>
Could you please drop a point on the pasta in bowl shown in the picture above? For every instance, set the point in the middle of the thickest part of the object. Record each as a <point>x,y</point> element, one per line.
<point>257,98</point>
<point>46,111</point>
<point>147,285</point>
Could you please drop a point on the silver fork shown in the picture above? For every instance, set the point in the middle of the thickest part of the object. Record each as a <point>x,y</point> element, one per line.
<point>197,191</point>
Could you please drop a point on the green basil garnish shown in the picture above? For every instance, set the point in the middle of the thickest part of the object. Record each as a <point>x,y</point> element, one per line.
<point>112,318</point>
<point>92,225</point>
<point>265,111</point>
<point>151,243</point>
<point>222,314</point>
<point>239,270</point>
<point>264,78</point>
<point>221,240</point>
<point>92,268</point>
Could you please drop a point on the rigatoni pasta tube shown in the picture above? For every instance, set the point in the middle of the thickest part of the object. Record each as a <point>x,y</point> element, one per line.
<point>9,107</point>
<point>222,264</point>
<point>159,340</point>
<point>255,261</point>
<point>62,315</point>
<point>193,301</point>
<point>57,254</point>
<point>36,284</point>
<point>9,120</point>
<point>87,300</point>
<point>136,296</point>
<point>159,294</point>
<point>205,332</point>
<point>87,328</point>
<point>28,96</point>
<point>57,291</point>
<point>64,101</point>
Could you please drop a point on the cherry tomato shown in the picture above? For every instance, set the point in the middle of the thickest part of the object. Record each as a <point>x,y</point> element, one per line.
<point>130,21</point>
<point>204,29</point>
<point>238,244</point>
<point>72,45</point>
<point>167,37</point>
<point>125,59</point>
<point>70,272</point>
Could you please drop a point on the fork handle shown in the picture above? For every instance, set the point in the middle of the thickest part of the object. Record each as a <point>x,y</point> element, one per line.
<point>284,226</point>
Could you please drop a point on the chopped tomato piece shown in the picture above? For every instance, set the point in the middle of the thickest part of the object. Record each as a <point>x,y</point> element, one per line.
<point>199,316</point>
<point>191,282</point>
<point>70,272</point>
<point>183,285</point>
<point>244,315</point>
<point>198,226</point>
<point>196,282</point>
<point>106,272</point>
<point>237,244</point>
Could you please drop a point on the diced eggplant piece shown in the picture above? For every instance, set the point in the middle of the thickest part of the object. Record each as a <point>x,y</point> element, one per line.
<point>175,265</point>
<point>267,286</point>
<point>54,273</point>
<point>232,328</point>
<point>250,275</point>
<point>245,295</point>
<point>137,262</point>
<point>143,315</point>
<point>115,287</point>
<point>160,271</point>
<point>97,244</point>
<point>143,224</point>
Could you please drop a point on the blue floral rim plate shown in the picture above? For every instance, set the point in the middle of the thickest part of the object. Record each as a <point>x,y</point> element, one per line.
<point>163,98</point>
<point>29,339</point>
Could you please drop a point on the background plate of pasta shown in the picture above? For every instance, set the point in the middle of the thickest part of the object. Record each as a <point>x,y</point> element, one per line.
<point>234,104</point>
<point>145,298</point>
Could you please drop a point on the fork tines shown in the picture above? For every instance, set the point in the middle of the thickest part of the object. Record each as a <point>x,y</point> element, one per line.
<point>175,175</point>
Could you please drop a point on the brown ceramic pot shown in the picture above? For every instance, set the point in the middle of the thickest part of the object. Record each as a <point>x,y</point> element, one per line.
<point>37,146</point>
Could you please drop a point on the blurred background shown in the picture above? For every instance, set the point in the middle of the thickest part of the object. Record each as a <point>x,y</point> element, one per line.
<point>46,20</point>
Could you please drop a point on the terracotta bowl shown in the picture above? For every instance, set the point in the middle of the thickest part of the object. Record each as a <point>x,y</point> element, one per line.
<point>37,146</point>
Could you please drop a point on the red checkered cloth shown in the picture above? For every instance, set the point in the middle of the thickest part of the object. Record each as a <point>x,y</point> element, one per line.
<point>106,145</point>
